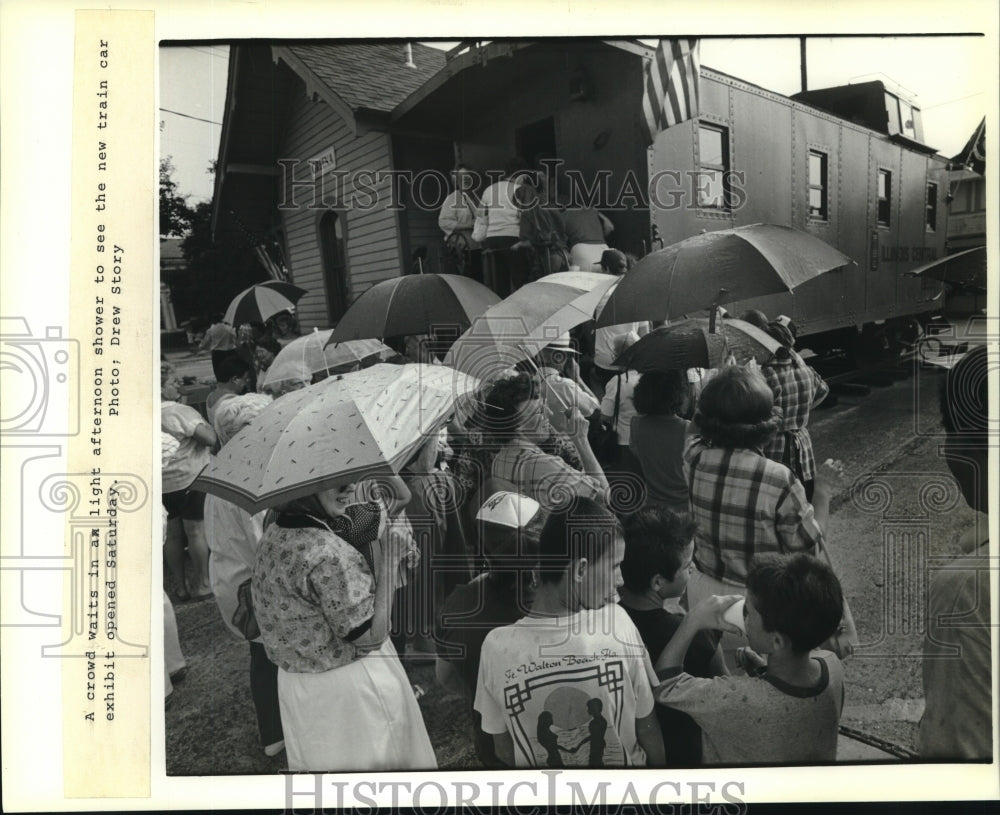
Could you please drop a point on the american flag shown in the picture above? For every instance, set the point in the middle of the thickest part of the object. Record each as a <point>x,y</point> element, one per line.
<point>671,92</point>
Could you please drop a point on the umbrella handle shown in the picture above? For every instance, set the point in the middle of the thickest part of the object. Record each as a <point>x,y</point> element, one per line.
<point>542,384</point>
<point>713,317</point>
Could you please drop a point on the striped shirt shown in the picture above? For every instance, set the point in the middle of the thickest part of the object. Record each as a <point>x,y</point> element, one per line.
<point>796,388</point>
<point>744,504</point>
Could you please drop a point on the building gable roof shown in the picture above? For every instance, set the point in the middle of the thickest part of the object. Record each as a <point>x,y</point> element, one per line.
<point>370,76</point>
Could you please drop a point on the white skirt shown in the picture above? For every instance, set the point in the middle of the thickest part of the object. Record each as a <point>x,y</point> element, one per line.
<point>173,658</point>
<point>360,717</point>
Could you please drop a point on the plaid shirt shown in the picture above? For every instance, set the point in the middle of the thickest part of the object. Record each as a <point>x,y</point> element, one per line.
<point>744,504</point>
<point>796,388</point>
<point>527,469</point>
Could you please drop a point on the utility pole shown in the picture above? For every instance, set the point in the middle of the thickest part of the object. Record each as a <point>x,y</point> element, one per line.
<point>802,62</point>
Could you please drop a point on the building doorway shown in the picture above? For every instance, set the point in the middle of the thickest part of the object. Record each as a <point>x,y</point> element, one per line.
<point>333,247</point>
<point>536,141</point>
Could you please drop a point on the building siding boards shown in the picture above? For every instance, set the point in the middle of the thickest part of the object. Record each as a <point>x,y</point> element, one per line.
<point>370,232</point>
<point>428,162</point>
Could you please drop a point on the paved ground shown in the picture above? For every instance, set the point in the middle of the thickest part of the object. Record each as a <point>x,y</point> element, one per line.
<point>898,506</point>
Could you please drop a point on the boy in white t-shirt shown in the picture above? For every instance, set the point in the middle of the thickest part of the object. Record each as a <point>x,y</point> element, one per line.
<point>569,685</point>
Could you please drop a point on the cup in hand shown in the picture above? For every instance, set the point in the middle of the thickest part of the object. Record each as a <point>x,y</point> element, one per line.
<point>734,615</point>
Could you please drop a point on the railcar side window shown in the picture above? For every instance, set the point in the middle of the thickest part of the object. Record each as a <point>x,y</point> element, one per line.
<point>931,207</point>
<point>884,197</point>
<point>713,166</point>
<point>817,185</point>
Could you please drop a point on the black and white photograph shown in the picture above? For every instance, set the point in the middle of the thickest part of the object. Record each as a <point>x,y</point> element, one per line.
<point>650,374</point>
<point>560,404</point>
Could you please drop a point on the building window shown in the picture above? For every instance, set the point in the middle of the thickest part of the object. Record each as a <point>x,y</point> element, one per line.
<point>817,185</point>
<point>884,197</point>
<point>713,167</point>
<point>901,117</point>
<point>931,207</point>
<point>334,254</point>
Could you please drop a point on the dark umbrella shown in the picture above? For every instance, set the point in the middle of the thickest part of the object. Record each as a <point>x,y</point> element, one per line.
<point>963,270</point>
<point>262,301</point>
<point>716,268</point>
<point>689,344</point>
<point>413,304</point>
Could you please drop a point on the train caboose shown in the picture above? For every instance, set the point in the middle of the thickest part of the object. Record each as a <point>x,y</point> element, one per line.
<point>846,164</point>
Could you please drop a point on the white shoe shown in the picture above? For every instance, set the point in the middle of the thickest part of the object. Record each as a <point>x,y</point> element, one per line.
<point>273,749</point>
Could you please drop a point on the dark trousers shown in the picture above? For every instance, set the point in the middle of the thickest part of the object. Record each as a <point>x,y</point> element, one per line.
<point>264,690</point>
<point>504,269</point>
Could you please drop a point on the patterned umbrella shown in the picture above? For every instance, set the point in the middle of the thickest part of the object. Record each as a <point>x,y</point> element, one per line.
<point>338,431</point>
<point>413,304</point>
<point>518,327</point>
<point>310,354</point>
<point>689,344</point>
<point>261,302</point>
<point>746,262</point>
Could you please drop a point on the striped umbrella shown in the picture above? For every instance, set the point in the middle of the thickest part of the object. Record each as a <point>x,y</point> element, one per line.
<point>534,316</point>
<point>414,304</point>
<point>341,430</point>
<point>262,301</point>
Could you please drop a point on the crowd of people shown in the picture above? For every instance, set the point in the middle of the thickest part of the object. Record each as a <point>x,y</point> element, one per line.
<point>519,228</point>
<point>611,569</point>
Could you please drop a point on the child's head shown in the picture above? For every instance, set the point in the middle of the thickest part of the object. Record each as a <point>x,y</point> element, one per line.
<point>794,602</point>
<point>510,527</point>
<point>234,372</point>
<point>583,546</point>
<point>660,393</point>
<point>736,409</point>
<point>613,261</point>
<point>659,548</point>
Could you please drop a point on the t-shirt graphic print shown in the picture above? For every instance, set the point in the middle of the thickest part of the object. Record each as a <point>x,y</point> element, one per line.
<point>567,689</point>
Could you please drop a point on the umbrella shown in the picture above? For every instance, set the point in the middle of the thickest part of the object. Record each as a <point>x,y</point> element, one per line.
<point>718,267</point>
<point>262,301</point>
<point>412,305</point>
<point>518,327</point>
<point>338,431</point>
<point>963,270</point>
<point>689,344</point>
<point>310,354</point>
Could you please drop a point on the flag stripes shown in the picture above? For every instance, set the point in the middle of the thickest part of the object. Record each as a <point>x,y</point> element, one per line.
<point>671,91</point>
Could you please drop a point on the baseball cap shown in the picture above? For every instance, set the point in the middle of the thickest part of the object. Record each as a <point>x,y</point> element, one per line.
<point>509,509</point>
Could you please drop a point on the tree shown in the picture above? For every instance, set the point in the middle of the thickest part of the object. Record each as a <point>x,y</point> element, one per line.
<point>217,269</point>
<point>175,214</point>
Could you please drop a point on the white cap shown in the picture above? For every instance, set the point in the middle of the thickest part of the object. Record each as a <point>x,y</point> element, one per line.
<point>508,509</point>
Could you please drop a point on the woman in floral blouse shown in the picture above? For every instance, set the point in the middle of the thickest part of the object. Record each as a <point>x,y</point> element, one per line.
<point>323,607</point>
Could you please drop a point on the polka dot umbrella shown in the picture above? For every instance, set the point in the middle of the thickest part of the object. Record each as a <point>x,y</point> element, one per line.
<point>340,430</point>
